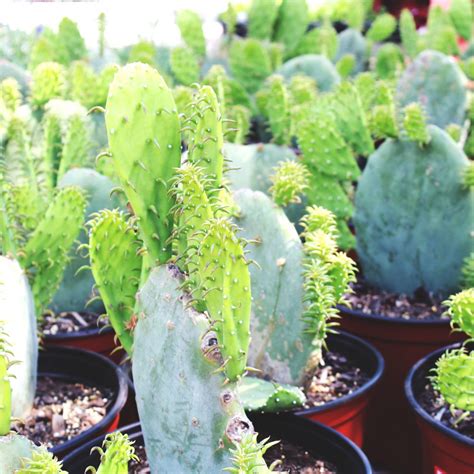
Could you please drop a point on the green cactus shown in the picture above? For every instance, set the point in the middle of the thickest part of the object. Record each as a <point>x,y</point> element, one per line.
<point>352,42</point>
<point>431,177</point>
<point>224,282</point>
<point>250,63</point>
<point>278,110</point>
<point>291,23</point>
<point>289,182</point>
<point>10,70</point>
<point>88,88</point>
<point>101,23</point>
<point>461,311</point>
<point>207,140</point>
<point>5,387</point>
<point>115,454</point>
<point>315,66</point>
<point>237,125</point>
<point>77,287</point>
<point>70,45</point>
<point>190,26</point>
<point>323,40</point>
<point>279,346</point>
<point>263,396</point>
<point>176,351</point>
<point>41,461</point>
<point>143,52</point>
<point>145,151</point>
<point>454,378</point>
<point>382,27</point>
<point>414,123</point>
<point>408,33</point>
<point>462,17</point>
<point>346,65</point>
<point>184,66</point>
<point>261,18</point>
<point>48,82</point>
<point>117,279</point>
<point>389,61</point>
<point>435,81</point>
<point>302,90</point>
<point>46,252</point>
<point>467,278</point>
<point>10,93</point>
<point>18,326</point>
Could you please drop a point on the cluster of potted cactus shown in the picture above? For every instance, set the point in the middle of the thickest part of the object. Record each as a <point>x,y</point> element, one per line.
<point>271,234</point>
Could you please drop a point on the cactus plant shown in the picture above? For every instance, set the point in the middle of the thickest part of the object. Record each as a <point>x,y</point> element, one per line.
<point>462,17</point>
<point>278,110</point>
<point>10,94</point>
<point>250,63</point>
<point>289,183</point>
<point>323,40</point>
<point>389,61</point>
<point>315,66</point>
<point>48,82</point>
<point>190,26</point>
<point>291,23</point>
<point>382,27</point>
<point>261,18</point>
<point>454,371</point>
<point>70,45</point>
<point>146,163</point>
<point>184,65</point>
<point>408,33</point>
<point>436,82</point>
<point>77,287</point>
<point>394,255</point>
<point>115,454</point>
<point>352,42</point>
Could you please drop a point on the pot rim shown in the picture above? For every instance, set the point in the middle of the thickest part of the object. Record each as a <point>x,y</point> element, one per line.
<point>82,333</point>
<point>416,407</point>
<point>388,320</point>
<point>359,392</point>
<point>113,410</point>
<point>134,431</point>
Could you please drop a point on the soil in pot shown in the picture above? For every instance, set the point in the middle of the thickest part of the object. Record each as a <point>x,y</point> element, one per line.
<point>335,379</point>
<point>404,329</point>
<point>431,401</point>
<point>70,322</point>
<point>421,306</point>
<point>293,460</point>
<point>63,410</point>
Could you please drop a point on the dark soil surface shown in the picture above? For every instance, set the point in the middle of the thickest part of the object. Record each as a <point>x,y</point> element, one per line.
<point>63,410</point>
<point>336,378</point>
<point>293,460</point>
<point>431,401</point>
<point>70,322</point>
<point>370,300</point>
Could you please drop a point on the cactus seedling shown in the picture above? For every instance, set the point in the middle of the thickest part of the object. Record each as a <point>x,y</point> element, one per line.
<point>454,371</point>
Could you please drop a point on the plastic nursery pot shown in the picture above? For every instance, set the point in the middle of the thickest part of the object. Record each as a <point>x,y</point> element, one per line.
<point>95,339</point>
<point>79,366</point>
<point>445,451</point>
<point>81,458</point>
<point>348,414</point>
<point>401,343</point>
<point>318,439</point>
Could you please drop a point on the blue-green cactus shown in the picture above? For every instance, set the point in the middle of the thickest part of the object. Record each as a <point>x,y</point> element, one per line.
<point>316,66</point>
<point>437,83</point>
<point>393,250</point>
<point>352,42</point>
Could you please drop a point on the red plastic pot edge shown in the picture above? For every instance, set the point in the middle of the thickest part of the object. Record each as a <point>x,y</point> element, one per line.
<point>98,340</point>
<point>444,449</point>
<point>111,420</point>
<point>347,414</point>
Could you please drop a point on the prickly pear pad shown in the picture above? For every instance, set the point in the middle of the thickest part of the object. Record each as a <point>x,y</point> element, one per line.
<point>144,137</point>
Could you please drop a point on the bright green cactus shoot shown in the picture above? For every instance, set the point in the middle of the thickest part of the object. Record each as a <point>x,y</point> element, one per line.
<point>41,461</point>
<point>48,82</point>
<point>145,151</point>
<point>116,452</point>
<point>289,182</point>
<point>224,281</point>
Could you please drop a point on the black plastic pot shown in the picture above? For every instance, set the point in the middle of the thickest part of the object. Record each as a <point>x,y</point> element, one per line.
<point>348,414</point>
<point>444,449</point>
<point>89,368</point>
<point>318,439</point>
